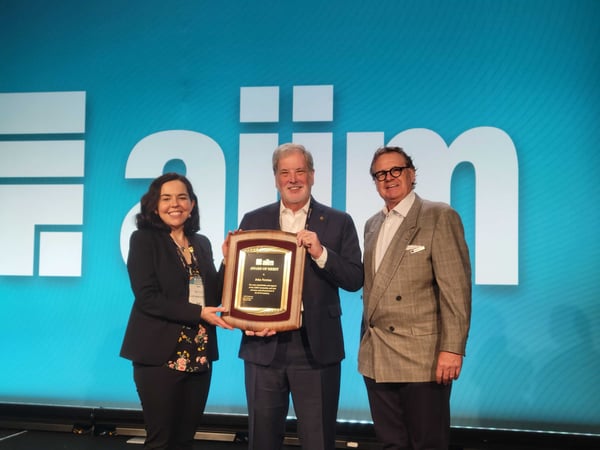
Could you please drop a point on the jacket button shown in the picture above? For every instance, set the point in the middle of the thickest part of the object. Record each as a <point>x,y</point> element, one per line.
<point>398,298</point>
<point>391,328</point>
<point>370,325</point>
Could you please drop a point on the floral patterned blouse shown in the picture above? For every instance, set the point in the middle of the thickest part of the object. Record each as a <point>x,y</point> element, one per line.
<point>190,354</point>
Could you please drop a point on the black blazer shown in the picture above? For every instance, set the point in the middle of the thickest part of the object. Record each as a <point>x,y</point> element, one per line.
<point>160,285</point>
<point>320,296</point>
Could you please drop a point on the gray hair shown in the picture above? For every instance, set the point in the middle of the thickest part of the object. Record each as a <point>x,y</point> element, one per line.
<point>290,147</point>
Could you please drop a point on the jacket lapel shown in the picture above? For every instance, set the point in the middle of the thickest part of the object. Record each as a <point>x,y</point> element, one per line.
<point>317,218</point>
<point>371,236</point>
<point>271,218</point>
<point>394,255</point>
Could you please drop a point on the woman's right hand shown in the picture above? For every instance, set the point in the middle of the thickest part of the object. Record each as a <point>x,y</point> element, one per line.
<point>210,314</point>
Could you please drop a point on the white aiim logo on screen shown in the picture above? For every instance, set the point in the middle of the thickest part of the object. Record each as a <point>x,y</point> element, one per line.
<point>41,219</point>
<point>488,150</point>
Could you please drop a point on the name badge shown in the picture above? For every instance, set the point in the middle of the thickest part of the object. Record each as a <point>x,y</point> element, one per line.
<point>197,291</point>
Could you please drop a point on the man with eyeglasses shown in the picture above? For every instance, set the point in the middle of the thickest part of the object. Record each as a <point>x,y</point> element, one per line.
<point>417,308</point>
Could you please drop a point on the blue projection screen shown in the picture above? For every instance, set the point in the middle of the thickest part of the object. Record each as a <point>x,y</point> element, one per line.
<point>497,102</point>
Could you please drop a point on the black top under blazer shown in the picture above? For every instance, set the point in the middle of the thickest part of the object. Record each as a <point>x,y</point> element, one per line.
<point>320,296</point>
<point>160,284</point>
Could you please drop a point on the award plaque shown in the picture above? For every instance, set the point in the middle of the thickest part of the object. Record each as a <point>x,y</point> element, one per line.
<point>263,281</point>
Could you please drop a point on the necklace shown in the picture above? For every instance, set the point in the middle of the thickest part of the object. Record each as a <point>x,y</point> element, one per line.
<point>184,247</point>
<point>189,262</point>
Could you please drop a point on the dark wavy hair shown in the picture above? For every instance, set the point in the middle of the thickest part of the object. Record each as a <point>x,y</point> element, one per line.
<point>399,150</point>
<point>149,218</point>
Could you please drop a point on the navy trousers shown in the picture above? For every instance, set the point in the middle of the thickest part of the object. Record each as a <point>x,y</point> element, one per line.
<point>314,390</point>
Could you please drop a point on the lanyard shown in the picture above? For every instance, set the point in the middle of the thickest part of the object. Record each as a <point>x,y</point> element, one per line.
<point>193,269</point>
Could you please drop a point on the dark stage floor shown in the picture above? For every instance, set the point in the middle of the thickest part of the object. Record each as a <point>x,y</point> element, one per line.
<point>16,439</point>
<point>56,440</point>
<point>33,427</point>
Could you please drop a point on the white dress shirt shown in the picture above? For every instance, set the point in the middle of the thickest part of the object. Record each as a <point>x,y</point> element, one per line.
<point>292,222</point>
<point>393,220</point>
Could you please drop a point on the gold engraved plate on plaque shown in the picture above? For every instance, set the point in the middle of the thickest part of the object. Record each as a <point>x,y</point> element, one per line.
<point>263,280</point>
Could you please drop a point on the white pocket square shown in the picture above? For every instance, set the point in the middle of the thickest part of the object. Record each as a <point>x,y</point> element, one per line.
<point>414,248</point>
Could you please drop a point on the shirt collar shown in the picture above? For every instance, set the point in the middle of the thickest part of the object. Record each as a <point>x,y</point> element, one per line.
<point>403,207</point>
<point>284,210</point>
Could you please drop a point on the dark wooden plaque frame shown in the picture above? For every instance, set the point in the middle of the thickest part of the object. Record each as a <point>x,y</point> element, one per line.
<point>262,288</point>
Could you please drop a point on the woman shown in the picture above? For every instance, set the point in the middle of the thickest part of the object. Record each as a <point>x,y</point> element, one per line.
<point>171,335</point>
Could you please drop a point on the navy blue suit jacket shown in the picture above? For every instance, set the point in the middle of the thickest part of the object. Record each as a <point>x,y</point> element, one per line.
<point>320,296</point>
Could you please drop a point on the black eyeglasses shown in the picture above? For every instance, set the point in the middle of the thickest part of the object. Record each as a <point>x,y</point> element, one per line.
<point>395,172</point>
